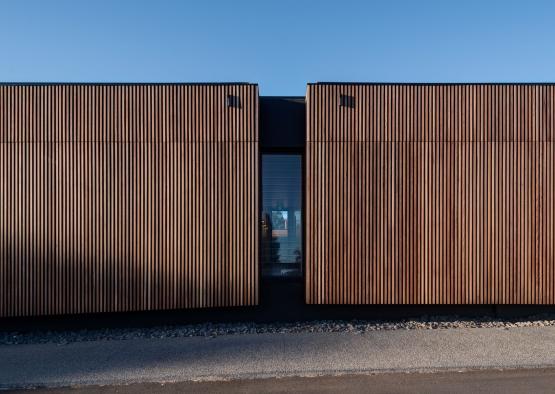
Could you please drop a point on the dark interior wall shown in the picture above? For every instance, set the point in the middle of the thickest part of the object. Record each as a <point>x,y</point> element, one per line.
<point>282,123</point>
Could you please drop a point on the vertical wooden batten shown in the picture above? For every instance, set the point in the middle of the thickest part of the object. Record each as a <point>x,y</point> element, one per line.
<point>430,194</point>
<point>126,197</point>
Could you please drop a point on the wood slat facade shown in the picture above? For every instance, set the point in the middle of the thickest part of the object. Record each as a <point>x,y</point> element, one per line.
<point>430,194</point>
<point>127,197</point>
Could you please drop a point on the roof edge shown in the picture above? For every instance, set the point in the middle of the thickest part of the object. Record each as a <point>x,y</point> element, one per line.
<point>428,83</point>
<point>127,83</point>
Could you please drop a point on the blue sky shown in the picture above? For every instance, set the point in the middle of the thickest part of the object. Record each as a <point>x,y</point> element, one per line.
<point>279,44</point>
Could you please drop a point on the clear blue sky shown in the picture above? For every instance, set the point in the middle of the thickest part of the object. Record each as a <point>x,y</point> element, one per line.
<point>279,44</point>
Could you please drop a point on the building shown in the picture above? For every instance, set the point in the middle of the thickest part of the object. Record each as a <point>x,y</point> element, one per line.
<point>135,197</point>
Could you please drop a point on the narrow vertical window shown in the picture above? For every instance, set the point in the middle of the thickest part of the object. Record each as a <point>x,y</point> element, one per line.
<point>282,219</point>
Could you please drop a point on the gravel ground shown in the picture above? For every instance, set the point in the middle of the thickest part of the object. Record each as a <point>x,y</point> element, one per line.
<point>219,329</point>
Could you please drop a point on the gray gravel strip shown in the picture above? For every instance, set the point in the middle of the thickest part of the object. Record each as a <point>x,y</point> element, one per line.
<point>323,326</point>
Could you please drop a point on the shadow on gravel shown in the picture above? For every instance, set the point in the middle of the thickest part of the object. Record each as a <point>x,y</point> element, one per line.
<point>322,326</point>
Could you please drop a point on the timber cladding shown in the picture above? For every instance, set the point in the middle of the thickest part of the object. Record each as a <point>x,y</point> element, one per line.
<point>430,194</point>
<point>127,197</point>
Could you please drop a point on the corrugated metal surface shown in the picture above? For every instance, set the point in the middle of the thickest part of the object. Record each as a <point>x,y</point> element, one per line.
<point>127,197</point>
<point>430,194</point>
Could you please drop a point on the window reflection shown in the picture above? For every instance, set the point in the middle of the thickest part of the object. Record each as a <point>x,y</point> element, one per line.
<point>281,215</point>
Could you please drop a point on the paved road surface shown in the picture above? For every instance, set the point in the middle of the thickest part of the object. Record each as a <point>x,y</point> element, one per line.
<point>273,355</point>
<point>489,382</point>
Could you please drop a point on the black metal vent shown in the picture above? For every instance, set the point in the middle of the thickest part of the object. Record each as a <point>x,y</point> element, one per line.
<point>233,101</point>
<point>347,101</point>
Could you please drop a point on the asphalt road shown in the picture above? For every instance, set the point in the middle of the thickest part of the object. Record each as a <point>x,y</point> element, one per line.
<point>490,382</point>
<point>273,355</point>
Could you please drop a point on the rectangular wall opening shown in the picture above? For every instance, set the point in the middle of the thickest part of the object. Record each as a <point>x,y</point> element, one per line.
<point>282,216</point>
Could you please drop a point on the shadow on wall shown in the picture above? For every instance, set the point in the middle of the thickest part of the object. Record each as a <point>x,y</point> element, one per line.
<point>38,281</point>
<point>45,281</point>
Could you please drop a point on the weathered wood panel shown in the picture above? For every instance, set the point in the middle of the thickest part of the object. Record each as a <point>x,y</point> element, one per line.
<point>430,194</point>
<point>127,197</point>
